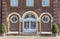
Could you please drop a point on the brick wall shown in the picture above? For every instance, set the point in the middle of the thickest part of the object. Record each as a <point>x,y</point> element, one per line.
<point>0,12</point>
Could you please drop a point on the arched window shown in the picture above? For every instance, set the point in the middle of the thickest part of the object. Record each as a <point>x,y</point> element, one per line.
<point>29,24</point>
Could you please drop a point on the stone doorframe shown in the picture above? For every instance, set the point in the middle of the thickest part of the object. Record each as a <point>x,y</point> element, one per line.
<point>9,23</point>
<point>40,22</point>
<point>33,13</point>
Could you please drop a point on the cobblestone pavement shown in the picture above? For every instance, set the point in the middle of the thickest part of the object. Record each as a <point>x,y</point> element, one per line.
<point>30,37</point>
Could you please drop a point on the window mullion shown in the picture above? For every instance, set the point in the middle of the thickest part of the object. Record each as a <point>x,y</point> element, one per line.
<point>29,24</point>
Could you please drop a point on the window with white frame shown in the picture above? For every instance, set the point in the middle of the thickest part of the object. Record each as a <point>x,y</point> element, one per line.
<point>14,3</point>
<point>45,3</point>
<point>45,19</point>
<point>14,19</point>
<point>29,3</point>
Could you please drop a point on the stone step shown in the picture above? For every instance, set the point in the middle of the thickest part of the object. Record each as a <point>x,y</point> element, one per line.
<point>29,34</point>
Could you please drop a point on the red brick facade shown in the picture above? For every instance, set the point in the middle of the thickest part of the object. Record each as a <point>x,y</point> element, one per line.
<point>21,9</point>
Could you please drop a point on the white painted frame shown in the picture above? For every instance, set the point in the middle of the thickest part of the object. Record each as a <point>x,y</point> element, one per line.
<point>15,21</point>
<point>12,32</point>
<point>46,32</point>
<point>45,21</point>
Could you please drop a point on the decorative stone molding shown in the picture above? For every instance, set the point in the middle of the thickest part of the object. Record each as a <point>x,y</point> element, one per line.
<point>30,12</point>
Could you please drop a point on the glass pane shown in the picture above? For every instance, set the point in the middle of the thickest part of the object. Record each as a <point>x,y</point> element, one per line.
<point>30,2</point>
<point>29,16</point>
<point>30,21</point>
<point>33,25</point>
<point>26,25</point>
<point>14,19</point>
<point>45,19</point>
<point>14,2</point>
<point>45,2</point>
<point>33,16</point>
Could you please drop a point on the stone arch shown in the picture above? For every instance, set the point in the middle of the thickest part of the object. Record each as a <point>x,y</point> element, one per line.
<point>30,12</point>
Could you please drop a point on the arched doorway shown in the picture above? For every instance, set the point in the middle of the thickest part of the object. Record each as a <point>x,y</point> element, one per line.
<point>46,20</point>
<point>29,24</point>
<point>13,21</point>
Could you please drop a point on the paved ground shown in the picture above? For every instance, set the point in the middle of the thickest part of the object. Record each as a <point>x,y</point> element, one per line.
<point>29,37</point>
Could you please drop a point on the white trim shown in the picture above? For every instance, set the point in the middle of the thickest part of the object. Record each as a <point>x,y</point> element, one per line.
<point>12,14</point>
<point>47,17</point>
<point>30,19</point>
<point>30,12</point>
<point>12,20</point>
<point>13,32</point>
<point>46,32</point>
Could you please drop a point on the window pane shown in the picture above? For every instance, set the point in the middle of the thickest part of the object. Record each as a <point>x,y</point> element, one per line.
<point>26,25</point>
<point>45,2</point>
<point>33,25</point>
<point>14,2</point>
<point>30,2</point>
<point>45,19</point>
<point>14,19</point>
<point>29,16</point>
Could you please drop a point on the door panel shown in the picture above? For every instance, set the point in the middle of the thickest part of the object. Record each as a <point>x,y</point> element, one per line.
<point>14,27</point>
<point>14,23</point>
<point>45,23</point>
